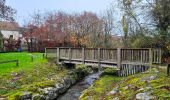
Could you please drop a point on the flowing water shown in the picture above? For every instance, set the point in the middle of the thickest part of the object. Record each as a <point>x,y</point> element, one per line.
<point>75,92</point>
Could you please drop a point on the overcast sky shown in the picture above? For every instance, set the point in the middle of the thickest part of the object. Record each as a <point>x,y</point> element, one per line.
<point>27,7</point>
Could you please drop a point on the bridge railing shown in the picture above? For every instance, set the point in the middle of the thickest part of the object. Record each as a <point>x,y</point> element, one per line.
<point>156,56</point>
<point>135,55</point>
<point>64,53</point>
<point>91,54</point>
<point>76,53</point>
<point>109,55</point>
<point>118,56</point>
<point>50,52</point>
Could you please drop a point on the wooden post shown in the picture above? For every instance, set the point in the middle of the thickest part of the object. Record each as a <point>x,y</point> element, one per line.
<point>160,56</point>
<point>150,57</point>
<point>99,65</point>
<point>141,55</point>
<point>17,63</point>
<point>142,69</point>
<point>154,53</point>
<point>93,53</point>
<point>45,52</point>
<point>128,69</point>
<point>58,55</point>
<point>83,55</point>
<point>32,58</point>
<point>132,55</point>
<point>168,69</point>
<point>123,74</point>
<point>133,69</point>
<point>69,55</point>
<point>43,55</point>
<point>119,58</point>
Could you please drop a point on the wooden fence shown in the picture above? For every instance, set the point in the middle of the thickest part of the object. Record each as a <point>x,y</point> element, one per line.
<point>142,56</point>
<point>16,61</point>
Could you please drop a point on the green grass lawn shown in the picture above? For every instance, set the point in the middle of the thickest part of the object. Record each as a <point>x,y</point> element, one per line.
<point>28,76</point>
<point>25,62</point>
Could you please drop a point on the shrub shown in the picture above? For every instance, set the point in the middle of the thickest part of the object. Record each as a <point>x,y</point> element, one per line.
<point>109,71</point>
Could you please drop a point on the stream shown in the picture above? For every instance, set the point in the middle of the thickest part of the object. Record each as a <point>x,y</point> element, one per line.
<point>75,91</point>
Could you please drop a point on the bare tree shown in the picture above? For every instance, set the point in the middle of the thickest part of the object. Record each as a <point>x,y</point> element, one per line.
<point>1,41</point>
<point>6,12</point>
<point>108,27</point>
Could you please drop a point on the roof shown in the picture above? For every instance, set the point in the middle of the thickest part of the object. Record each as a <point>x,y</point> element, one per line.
<point>10,26</point>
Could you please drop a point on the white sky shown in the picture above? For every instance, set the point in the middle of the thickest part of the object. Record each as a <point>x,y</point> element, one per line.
<point>27,7</point>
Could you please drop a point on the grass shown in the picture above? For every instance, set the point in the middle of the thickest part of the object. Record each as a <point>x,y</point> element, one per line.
<point>25,62</point>
<point>99,90</point>
<point>40,76</point>
<point>28,76</point>
<point>159,86</point>
<point>130,86</point>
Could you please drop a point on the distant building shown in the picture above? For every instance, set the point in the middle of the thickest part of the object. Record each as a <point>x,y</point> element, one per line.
<point>13,31</point>
<point>10,29</point>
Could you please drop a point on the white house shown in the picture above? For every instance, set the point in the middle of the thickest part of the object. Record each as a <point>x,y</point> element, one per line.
<point>10,29</point>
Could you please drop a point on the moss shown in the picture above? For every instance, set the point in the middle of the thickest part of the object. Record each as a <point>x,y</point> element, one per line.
<point>162,94</point>
<point>130,86</point>
<point>132,80</point>
<point>15,96</point>
<point>99,89</point>
<point>109,71</point>
<point>82,71</point>
<point>38,98</point>
<point>30,80</point>
<point>40,77</point>
<point>35,86</point>
<point>161,88</point>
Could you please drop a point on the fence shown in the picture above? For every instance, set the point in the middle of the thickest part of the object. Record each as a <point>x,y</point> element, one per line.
<point>16,61</point>
<point>146,56</point>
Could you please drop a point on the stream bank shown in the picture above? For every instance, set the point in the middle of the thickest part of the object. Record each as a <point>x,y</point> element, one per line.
<point>149,85</point>
<point>54,89</point>
<point>75,92</point>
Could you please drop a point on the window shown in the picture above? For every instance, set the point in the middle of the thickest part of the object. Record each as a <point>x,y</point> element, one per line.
<point>11,36</point>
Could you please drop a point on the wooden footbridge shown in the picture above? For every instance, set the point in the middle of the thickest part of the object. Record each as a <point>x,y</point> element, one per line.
<point>129,61</point>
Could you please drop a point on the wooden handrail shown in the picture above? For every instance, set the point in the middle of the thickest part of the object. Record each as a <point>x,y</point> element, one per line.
<point>101,48</point>
<point>138,55</point>
<point>128,61</point>
<point>17,62</point>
